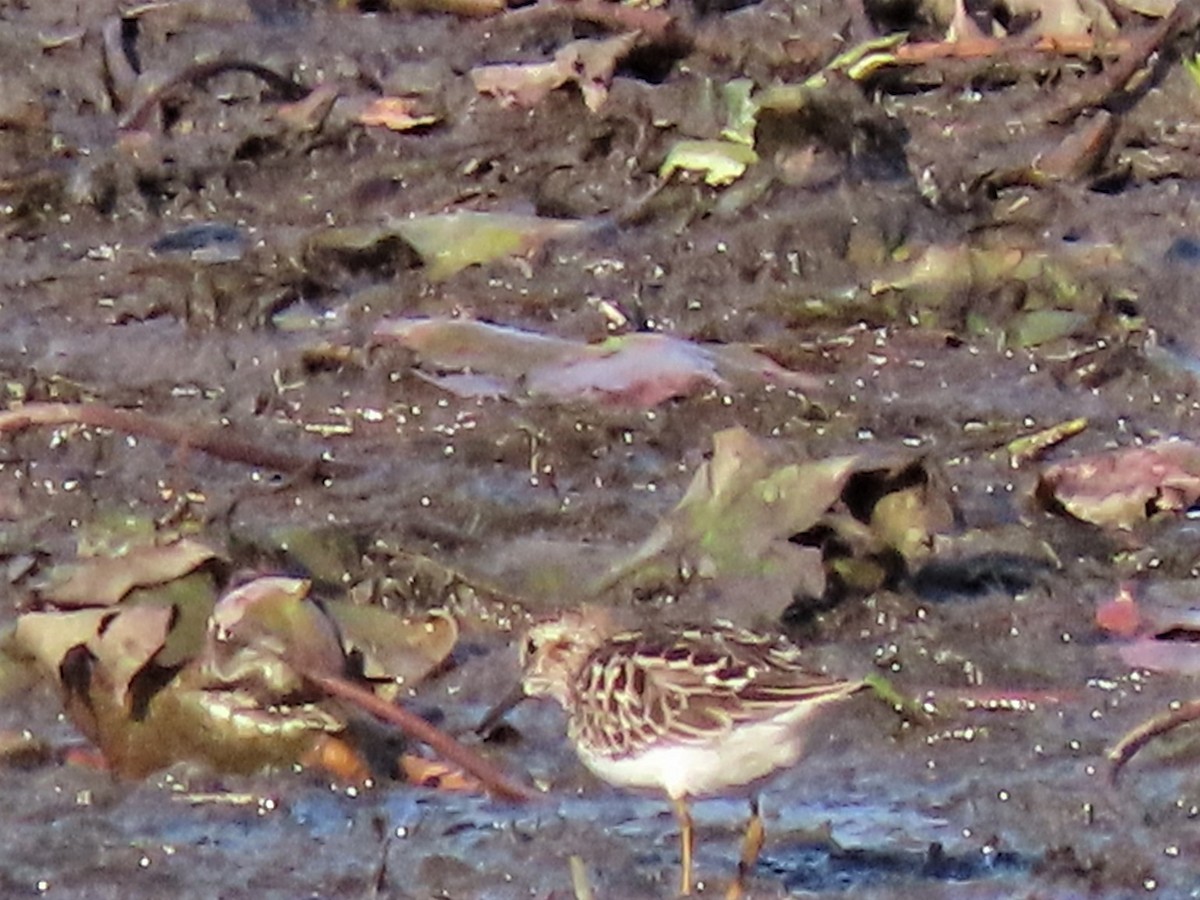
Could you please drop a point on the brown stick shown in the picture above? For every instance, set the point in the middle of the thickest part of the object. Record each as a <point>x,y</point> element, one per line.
<point>139,114</point>
<point>214,442</point>
<point>1008,48</point>
<point>1102,88</point>
<point>1143,734</point>
<point>445,746</point>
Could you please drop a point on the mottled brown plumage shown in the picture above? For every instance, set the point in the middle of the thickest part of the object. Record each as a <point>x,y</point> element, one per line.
<point>692,712</point>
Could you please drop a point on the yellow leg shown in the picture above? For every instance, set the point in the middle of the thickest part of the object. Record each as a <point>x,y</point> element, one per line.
<point>752,844</point>
<point>686,839</point>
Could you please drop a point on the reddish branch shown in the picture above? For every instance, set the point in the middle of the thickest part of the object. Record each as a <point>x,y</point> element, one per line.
<point>142,110</point>
<point>986,47</point>
<point>1101,89</point>
<point>413,725</point>
<point>1143,734</point>
<point>214,442</point>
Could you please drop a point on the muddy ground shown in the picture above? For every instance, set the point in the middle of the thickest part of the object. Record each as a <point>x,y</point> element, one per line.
<point>112,142</point>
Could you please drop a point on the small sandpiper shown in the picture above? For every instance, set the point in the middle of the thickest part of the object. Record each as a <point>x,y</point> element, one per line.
<point>695,712</point>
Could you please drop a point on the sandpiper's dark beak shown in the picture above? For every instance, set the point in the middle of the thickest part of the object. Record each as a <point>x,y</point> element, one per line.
<point>500,710</point>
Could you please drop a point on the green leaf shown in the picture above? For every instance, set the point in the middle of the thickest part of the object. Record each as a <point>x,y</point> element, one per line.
<point>722,162</point>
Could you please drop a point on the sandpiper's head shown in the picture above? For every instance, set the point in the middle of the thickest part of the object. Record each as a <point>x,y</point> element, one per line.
<point>554,650</point>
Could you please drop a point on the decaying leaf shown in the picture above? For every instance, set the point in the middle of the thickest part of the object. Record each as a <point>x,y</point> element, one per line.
<point>1058,296</point>
<point>47,636</point>
<point>588,63</point>
<point>1151,8</point>
<point>270,633</point>
<point>396,113</point>
<point>761,532</point>
<point>400,650</point>
<point>1061,19</point>
<point>450,242</point>
<point>127,641</point>
<point>155,675</point>
<point>1160,623</point>
<point>1031,447</point>
<point>639,370</point>
<point>104,580</point>
<point>741,111</point>
<point>1122,488</point>
<point>722,162</point>
<point>735,520</point>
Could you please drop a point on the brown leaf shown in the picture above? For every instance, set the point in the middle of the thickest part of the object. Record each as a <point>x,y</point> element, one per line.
<point>396,113</point>
<point>1121,488</point>
<point>47,636</point>
<point>308,114</point>
<point>589,63</point>
<point>127,640</point>
<point>268,632</point>
<point>103,581</point>
<point>400,649</point>
<point>640,370</point>
<point>437,774</point>
<point>450,242</point>
<point>735,519</point>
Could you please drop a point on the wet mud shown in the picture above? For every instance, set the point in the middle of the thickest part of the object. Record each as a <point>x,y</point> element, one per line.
<point>204,248</point>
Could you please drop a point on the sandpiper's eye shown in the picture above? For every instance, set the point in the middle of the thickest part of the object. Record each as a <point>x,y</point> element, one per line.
<point>530,647</point>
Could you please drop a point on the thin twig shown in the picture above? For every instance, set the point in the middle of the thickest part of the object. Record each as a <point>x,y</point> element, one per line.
<point>413,725</point>
<point>139,113</point>
<point>1101,89</point>
<point>214,442</point>
<point>1139,737</point>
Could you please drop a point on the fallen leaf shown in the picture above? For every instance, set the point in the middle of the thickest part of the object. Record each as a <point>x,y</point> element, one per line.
<point>396,113</point>
<point>450,242</point>
<point>735,520</point>
<point>434,773</point>
<point>401,650</point>
<point>742,111</point>
<point>269,633</point>
<point>1032,447</point>
<point>519,84</point>
<point>1155,9</point>
<point>1065,18</point>
<point>588,63</point>
<point>308,114</point>
<point>47,636</point>
<point>640,370</point>
<point>1122,488</point>
<point>722,162</point>
<point>1052,19</point>
<point>126,642</point>
<point>103,581</point>
<point>481,347</point>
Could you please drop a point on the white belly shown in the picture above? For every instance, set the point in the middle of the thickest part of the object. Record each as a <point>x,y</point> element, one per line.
<point>744,755</point>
